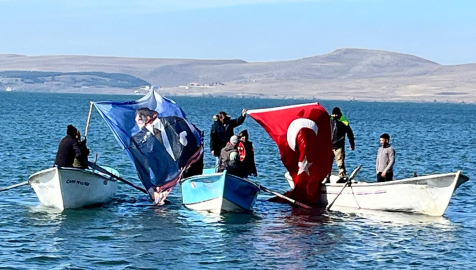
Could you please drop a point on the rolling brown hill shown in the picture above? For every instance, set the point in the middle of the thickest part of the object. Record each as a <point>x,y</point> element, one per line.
<point>343,74</point>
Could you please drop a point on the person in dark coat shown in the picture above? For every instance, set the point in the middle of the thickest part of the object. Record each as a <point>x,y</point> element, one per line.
<point>69,149</point>
<point>229,158</point>
<point>222,130</point>
<point>247,155</point>
<point>339,128</point>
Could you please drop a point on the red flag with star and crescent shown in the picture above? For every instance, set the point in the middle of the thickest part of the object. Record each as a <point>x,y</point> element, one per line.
<point>303,135</point>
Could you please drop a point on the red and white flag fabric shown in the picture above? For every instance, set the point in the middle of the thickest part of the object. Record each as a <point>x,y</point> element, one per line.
<point>302,133</point>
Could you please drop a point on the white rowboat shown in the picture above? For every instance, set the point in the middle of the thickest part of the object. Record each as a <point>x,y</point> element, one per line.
<point>429,195</point>
<point>72,187</point>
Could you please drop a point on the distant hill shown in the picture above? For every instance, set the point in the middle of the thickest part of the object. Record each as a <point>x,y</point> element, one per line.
<point>342,74</point>
<point>24,80</point>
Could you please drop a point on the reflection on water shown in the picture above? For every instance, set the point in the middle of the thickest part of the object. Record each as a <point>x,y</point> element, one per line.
<point>131,233</point>
<point>389,218</point>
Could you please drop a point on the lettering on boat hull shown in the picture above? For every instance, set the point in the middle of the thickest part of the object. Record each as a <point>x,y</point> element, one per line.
<point>82,183</point>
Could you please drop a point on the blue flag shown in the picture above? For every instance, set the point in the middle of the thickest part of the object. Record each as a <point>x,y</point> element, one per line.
<point>156,136</point>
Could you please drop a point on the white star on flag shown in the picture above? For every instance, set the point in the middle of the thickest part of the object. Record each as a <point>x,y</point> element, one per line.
<point>304,166</point>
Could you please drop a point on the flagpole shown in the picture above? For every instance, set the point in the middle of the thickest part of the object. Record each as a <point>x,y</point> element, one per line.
<point>89,119</point>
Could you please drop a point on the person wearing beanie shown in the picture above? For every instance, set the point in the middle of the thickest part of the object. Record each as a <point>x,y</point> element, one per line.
<point>385,159</point>
<point>222,130</point>
<point>339,129</point>
<point>84,153</point>
<point>69,148</point>
<point>247,155</point>
<point>229,159</point>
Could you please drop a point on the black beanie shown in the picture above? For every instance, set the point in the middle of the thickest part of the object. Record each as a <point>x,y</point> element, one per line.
<point>71,130</point>
<point>337,111</point>
<point>244,133</point>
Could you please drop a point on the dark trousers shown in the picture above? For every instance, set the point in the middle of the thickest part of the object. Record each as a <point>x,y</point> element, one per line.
<point>388,177</point>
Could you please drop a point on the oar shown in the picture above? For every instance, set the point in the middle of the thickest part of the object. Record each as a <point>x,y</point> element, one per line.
<point>14,186</point>
<point>284,197</point>
<point>352,175</point>
<point>101,169</point>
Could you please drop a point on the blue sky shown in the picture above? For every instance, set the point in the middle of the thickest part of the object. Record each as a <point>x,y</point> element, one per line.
<point>255,31</point>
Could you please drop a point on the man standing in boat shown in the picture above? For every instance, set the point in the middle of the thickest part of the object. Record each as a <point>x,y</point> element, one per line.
<point>339,128</point>
<point>222,130</point>
<point>385,159</point>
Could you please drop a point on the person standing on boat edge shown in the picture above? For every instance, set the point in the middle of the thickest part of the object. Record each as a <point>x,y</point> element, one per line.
<point>385,159</point>
<point>69,149</point>
<point>230,159</point>
<point>222,130</point>
<point>247,155</point>
<point>339,128</point>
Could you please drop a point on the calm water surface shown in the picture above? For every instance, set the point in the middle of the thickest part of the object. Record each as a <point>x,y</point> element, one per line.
<point>129,233</point>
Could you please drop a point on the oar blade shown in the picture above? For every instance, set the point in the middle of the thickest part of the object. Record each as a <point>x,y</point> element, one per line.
<point>354,172</point>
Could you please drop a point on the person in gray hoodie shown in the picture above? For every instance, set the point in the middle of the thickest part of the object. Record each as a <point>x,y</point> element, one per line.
<point>385,159</point>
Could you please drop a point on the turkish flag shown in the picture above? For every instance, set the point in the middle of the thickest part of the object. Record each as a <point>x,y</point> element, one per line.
<point>303,135</point>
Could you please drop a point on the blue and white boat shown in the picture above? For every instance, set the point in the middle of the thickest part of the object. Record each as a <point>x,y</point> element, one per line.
<point>219,192</point>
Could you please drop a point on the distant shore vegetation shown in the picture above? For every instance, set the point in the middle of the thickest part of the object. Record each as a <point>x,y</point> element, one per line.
<point>71,79</point>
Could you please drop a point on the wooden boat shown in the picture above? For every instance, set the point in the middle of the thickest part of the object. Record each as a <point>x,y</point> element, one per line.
<point>72,187</point>
<point>218,192</point>
<point>429,195</point>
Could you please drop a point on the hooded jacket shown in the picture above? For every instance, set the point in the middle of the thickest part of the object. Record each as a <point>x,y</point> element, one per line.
<point>229,160</point>
<point>339,129</point>
<point>247,155</point>
<point>68,149</point>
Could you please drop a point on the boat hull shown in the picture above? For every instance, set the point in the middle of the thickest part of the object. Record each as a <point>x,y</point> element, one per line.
<point>429,195</point>
<point>65,188</point>
<point>219,192</point>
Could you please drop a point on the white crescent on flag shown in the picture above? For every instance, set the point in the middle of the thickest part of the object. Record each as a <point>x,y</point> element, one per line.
<point>295,127</point>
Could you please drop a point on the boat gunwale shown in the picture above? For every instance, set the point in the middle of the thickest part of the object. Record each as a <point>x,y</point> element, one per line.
<point>400,181</point>
<point>219,173</point>
<point>59,169</point>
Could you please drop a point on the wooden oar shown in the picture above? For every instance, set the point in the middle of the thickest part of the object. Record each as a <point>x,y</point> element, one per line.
<point>14,186</point>
<point>352,175</point>
<point>101,169</point>
<point>283,197</point>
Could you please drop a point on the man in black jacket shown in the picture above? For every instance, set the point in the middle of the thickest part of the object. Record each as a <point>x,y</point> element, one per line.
<point>222,130</point>
<point>69,148</point>
<point>339,129</point>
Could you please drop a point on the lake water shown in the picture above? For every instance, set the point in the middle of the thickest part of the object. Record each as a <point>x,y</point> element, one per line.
<point>130,233</point>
